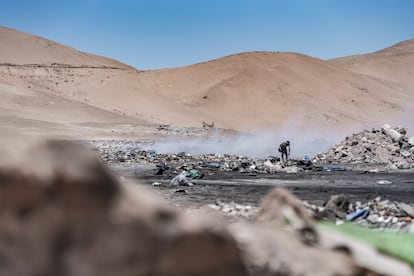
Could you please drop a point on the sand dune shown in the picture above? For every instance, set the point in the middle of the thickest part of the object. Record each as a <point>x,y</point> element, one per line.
<point>249,92</point>
<point>395,63</point>
<point>268,90</point>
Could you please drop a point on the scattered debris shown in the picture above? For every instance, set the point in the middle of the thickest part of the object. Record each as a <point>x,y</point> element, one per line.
<point>384,182</point>
<point>207,125</point>
<point>195,174</point>
<point>181,180</point>
<point>376,213</point>
<point>362,213</point>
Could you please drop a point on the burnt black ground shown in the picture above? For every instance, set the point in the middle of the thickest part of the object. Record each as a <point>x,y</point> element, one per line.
<point>314,186</point>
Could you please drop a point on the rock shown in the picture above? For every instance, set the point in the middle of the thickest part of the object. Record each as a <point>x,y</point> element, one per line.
<point>405,153</point>
<point>272,168</point>
<point>383,182</point>
<point>275,251</point>
<point>62,213</point>
<point>280,208</point>
<point>292,169</point>
<point>403,166</point>
<point>401,130</point>
<point>392,133</point>
<point>234,210</point>
<point>58,172</point>
<point>373,218</point>
<point>338,205</point>
<point>407,209</point>
<point>411,141</point>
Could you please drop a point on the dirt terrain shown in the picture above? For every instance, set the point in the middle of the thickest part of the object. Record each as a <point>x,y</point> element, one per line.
<point>314,187</point>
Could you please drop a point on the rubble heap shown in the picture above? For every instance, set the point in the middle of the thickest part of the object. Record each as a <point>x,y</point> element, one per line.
<point>133,153</point>
<point>389,147</point>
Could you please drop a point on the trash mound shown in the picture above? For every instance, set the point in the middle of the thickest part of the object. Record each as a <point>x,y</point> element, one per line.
<point>389,147</point>
<point>127,153</point>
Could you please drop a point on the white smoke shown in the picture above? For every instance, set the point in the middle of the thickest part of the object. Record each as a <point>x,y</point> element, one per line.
<point>260,145</point>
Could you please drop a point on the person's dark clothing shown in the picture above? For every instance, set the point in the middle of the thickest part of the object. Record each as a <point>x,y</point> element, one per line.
<point>284,149</point>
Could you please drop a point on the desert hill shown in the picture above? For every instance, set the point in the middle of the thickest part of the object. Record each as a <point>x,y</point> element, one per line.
<point>395,63</point>
<point>248,92</point>
<point>18,48</point>
<point>28,65</point>
<point>268,90</point>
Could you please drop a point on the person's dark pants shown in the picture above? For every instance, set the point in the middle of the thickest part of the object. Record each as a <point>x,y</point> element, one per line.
<point>284,155</point>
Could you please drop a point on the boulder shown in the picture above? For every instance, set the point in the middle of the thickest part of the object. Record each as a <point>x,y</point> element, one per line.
<point>62,213</point>
<point>411,141</point>
<point>337,205</point>
<point>392,133</point>
<point>271,167</point>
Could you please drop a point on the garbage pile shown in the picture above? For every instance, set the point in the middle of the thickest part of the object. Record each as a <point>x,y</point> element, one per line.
<point>132,153</point>
<point>389,147</point>
<point>376,213</point>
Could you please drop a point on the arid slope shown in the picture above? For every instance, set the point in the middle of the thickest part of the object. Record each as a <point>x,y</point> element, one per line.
<point>250,91</point>
<point>395,63</point>
<point>18,48</point>
<point>268,90</point>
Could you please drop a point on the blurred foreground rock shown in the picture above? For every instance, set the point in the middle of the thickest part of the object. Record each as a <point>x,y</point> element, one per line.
<point>62,213</point>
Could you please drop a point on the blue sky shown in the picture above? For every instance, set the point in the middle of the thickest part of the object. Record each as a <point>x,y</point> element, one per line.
<point>155,34</point>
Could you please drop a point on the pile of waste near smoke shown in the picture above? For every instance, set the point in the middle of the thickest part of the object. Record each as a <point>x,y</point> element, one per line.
<point>389,147</point>
<point>131,153</point>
